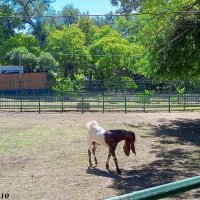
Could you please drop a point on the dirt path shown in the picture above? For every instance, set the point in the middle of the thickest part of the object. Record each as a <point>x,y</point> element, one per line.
<point>44,156</point>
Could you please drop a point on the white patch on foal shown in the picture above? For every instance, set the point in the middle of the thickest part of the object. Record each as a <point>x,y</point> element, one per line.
<point>96,134</point>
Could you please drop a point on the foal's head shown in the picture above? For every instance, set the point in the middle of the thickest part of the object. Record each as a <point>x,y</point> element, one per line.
<point>129,143</point>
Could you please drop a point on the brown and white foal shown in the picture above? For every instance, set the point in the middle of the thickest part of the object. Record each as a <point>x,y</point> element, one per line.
<point>108,138</point>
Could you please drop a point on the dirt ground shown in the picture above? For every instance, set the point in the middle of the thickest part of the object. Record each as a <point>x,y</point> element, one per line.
<point>44,156</point>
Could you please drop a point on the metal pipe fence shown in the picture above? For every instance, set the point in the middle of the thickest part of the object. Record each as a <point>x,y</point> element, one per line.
<point>162,191</point>
<point>34,87</point>
<point>136,102</point>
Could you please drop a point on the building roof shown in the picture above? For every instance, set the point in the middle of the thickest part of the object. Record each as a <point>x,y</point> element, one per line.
<point>9,69</point>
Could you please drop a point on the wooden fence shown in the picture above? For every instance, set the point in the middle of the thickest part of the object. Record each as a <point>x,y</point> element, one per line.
<point>23,81</point>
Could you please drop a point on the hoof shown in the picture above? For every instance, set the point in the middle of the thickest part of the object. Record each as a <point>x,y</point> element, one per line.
<point>119,172</point>
<point>96,162</point>
<point>107,167</point>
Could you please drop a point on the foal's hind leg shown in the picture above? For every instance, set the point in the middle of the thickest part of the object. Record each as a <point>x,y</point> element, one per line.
<point>93,151</point>
<point>89,155</point>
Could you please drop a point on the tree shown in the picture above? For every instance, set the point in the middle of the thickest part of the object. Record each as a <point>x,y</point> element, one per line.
<point>21,56</point>
<point>127,6</point>
<point>177,53</point>
<point>69,15</point>
<point>7,25</point>
<point>108,19</point>
<point>171,40</point>
<point>88,27</point>
<point>19,40</point>
<point>43,63</point>
<point>28,8</point>
<point>70,85</point>
<point>115,58</point>
<point>128,27</point>
<point>68,47</point>
<point>47,63</point>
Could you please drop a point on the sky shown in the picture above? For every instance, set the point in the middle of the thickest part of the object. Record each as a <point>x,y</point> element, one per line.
<point>93,6</point>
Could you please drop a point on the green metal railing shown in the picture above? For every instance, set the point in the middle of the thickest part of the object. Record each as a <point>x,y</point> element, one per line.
<point>101,103</point>
<point>162,190</point>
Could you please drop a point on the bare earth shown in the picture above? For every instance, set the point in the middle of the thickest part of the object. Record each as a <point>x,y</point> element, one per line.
<point>44,156</point>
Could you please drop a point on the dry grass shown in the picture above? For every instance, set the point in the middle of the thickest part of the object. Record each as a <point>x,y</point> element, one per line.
<point>44,156</point>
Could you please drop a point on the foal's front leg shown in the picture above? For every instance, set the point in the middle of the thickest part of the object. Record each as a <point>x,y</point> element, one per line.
<point>112,152</point>
<point>107,163</point>
<point>116,161</point>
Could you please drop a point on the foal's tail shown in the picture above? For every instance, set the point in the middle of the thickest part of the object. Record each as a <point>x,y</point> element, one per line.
<point>91,124</point>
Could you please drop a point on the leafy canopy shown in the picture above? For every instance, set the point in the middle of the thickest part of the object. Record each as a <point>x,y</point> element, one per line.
<point>115,58</point>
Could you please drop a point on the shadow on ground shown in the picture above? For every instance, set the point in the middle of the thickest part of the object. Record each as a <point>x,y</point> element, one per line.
<point>178,157</point>
<point>184,130</point>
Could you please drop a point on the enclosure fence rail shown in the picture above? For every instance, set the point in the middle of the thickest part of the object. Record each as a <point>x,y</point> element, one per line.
<point>162,190</point>
<point>102,103</point>
<point>38,83</point>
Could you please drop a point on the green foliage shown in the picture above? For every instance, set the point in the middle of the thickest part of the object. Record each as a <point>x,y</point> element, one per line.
<point>195,82</point>
<point>68,47</point>
<point>180,89</point>
<point>114,56</point>
<point>47,63</point>
<point>21,56</point>
<point>164,46</point>
<point>128,83</point>
<point>149,92</point>
<point>26,9</point>
<point>126,6</point>
<point>7,25</point>
<point>70,15</point>
<point>70,86</point>
<point>171,40</point>
<point>145,96</point>
<point>172,43</point>
<point>127,27</point>
<point>19,40</point>
<point>88,27</point>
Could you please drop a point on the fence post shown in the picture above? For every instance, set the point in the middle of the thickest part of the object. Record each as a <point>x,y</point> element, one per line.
<point>20,83</point>
<point>20,87</point>
<point>184,106</point>
<point>144,102</point>
<point>169,104</point>
<point>20,103</point>
<point>103,103</point>
<point>39,104</point>
<point>125,104</point>
<point>82,105</point>
<point>62,103</point>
